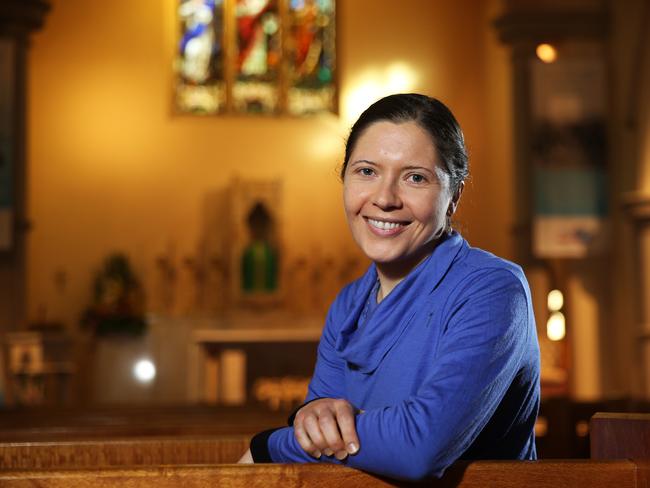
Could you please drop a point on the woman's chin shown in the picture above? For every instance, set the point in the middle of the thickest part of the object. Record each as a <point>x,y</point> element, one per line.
<point>391,262</point>
<point>382,257</point>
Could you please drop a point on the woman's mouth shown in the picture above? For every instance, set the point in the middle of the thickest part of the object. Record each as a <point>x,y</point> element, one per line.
<point>385,227</point>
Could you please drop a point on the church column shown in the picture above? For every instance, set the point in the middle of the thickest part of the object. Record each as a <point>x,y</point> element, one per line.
<point>636,203</point>
<point>638,206</point>
<point>18,20</point>
<point>571,364</point>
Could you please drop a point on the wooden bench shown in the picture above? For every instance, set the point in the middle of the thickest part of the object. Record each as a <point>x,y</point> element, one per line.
<point>479,474</point>
<point>125,452</point>
<point>203,462</point>
<point>620,435</point>
<point>66,424</point>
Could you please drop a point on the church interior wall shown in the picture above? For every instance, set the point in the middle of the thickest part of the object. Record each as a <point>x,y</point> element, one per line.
<point>111,167</point>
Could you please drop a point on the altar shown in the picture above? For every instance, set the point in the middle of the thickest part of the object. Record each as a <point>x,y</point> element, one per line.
<point>271,364</point>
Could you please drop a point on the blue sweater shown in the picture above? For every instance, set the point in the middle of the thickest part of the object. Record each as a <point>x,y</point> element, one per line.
<point>446,367</point>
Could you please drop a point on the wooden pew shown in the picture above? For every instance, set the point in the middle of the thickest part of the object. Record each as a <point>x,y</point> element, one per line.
<point>127,452</point>
<point>102,423</point>
<point>479,474</point>
<point>620,436</point>
<point>200,462</point>
<point>128,436</point>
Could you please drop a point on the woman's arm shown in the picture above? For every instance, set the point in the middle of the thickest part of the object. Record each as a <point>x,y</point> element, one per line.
<point>478,358</point>
<point>324,397</point>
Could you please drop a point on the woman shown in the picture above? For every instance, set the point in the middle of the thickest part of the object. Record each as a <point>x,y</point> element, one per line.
<point>432,355</point>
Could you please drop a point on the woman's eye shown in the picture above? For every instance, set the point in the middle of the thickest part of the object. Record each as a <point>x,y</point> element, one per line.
<point>417,178</point>
<point>366,171</point>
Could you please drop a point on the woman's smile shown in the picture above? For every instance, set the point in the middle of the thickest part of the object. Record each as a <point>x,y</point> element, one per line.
<point>386,228</point>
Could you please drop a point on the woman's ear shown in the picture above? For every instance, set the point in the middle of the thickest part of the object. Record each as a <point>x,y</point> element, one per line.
<point>455,199</point>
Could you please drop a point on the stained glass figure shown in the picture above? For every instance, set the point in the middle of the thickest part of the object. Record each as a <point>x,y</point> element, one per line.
<point>260,262</point>
<point>200,60</point>
<point>312,50</point>
<point>256,88</point>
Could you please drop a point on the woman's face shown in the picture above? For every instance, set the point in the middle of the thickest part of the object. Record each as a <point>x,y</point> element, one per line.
<point>395,194</point>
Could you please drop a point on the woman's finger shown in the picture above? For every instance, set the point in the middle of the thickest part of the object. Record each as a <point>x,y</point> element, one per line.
<point>345,419</point>
<point>330,430</point>
<point>312,428</point>
<point>305,442</point>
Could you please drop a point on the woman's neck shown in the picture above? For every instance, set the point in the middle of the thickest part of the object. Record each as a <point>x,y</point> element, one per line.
<point>391,274</point>
<point>386,285</point>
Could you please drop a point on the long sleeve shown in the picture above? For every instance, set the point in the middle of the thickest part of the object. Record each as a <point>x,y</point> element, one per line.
<point>327,380</point>
<point>486,333</point>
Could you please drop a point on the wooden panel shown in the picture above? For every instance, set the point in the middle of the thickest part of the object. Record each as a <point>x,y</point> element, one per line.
<point>38,425</point>
<point>620,436</point>
<point>134,452</point>
<point>480,474</point>
<point>643,473</point>
<point>544,474</point>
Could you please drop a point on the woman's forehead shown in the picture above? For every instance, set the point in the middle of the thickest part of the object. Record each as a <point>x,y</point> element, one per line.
<point>391,141</point>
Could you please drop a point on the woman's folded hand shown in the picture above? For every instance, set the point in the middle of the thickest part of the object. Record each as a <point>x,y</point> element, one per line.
<point>326,426</point>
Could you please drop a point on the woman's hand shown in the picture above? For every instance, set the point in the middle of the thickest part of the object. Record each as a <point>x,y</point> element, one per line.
<point>326,426</point>
<point>247,458</point>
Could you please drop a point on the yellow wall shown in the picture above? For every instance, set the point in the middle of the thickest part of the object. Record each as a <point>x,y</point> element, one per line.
<point>112,169</point>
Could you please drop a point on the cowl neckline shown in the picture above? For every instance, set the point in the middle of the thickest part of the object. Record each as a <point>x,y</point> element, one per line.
<point>365,348</point>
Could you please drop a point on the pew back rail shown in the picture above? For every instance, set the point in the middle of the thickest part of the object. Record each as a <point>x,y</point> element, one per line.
<point>478,474</point>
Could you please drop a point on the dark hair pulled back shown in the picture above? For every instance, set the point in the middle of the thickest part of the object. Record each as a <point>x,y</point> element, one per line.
<point>431,115</point>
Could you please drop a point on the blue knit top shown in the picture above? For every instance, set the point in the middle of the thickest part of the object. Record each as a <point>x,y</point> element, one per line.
<point>446,367</point>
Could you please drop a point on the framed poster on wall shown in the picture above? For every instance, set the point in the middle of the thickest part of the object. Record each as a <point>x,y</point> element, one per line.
<point>569,152</point>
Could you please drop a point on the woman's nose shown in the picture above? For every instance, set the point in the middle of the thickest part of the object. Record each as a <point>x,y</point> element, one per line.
<point>387,195</point>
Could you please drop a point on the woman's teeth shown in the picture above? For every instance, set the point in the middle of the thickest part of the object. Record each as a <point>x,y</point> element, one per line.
<point>384,225</point>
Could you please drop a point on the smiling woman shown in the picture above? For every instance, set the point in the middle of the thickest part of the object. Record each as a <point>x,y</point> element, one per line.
<point>396,197</point>
<point>432,355</point>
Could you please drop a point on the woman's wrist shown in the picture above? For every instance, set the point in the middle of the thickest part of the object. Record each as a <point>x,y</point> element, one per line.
<point>260,447</point>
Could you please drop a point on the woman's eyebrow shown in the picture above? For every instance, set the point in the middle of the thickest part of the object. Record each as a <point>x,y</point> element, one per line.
<point>363,161</point>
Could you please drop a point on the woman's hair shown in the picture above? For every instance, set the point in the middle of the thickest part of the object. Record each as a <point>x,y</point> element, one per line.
<point>431,115</point>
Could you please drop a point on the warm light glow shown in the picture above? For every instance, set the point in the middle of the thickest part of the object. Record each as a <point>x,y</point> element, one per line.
<point>325,146</point>
<point>541,426</point>
<point>546,52</point>
<point>556,326</point>
<point>555,300</point>
<point>144,371</point>
<point>582,428</point>
<point>358,98</point>
<point>374,84</point>
<point>399,78</point>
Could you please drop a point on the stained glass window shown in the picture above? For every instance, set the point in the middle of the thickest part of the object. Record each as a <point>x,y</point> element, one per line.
<point>256,56</point>
<point>312,56</point>
<point>200,60</point>
<point>259,53</point>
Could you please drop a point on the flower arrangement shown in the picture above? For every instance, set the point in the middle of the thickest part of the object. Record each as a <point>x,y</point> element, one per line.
<point>118,301</point>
